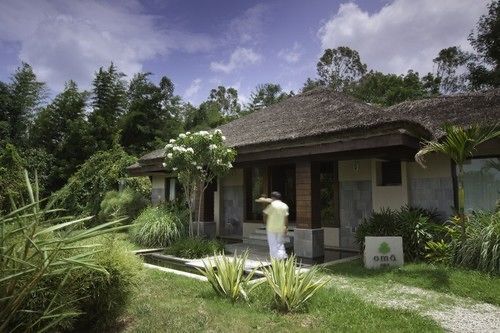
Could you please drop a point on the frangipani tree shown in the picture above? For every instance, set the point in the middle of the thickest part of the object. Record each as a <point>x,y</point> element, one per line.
<point>459,144</point>
<point>197,159</point>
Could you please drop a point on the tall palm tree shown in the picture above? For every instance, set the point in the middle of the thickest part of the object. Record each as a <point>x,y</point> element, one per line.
<point>459,144</point>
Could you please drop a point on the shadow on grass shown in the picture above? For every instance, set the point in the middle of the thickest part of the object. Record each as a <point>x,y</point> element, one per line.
<point>429,277</point>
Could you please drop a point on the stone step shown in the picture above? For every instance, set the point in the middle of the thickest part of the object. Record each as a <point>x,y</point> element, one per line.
<point>264,237</point>
<point>263,231</point>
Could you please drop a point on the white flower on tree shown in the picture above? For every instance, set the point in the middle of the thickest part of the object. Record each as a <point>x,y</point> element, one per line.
<point>198,159</point>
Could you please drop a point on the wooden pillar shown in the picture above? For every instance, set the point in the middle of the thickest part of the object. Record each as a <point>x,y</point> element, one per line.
<point>303,190</point>
<point>308,234</point>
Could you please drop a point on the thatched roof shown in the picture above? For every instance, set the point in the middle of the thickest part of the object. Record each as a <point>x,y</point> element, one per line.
<point>463,109</point>
<point>323,112</point>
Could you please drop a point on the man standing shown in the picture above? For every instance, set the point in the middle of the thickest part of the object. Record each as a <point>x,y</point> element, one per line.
<point>276,219</point>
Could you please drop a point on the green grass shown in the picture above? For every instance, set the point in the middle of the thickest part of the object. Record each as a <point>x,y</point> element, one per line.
<point>448,280</point>
<point>167,302</point>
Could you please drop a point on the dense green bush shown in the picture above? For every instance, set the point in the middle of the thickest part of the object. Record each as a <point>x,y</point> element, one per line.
<point>104,296</point>
<point>158,227</point>
<point>122,203</point>
<point>11,176</point>
<point>40,252</point>
<point>194,247</point>
<point>480,249</point>
<point>416,226</point>
<point>99,174</point>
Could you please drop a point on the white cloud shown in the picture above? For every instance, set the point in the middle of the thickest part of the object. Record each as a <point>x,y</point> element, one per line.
<point>193,88</point>
<point>240,57</point>
<point>71,40</point>
<point>292,55</point>
<point>247,28</point>
<point>405,34</point>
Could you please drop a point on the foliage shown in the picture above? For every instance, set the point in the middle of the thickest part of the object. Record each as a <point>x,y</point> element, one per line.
<point>157,227</point>
<point>416,226</point>
<point>341,67</point>
<point>108,105</point>
<point>311,84</point>
<point>438,252</point>
<point>194,247</point>
<point>480,249</point>
<point>104,297</point>
<point>20,99</point>
<point>389,89</point>
<point>11,176</point>
<point>292,285</point>
<point>227,276</point>
<point>198,158</point>
<point>68,146</point>
<point>125,203</point>
<point>99,174</point>
<point>485,39</point>
<point>450,64</point>
<point>227,101</point>
<point>266,95</point>
<point>37,257</point>
<point>459,144</point>
<point>151,114</point>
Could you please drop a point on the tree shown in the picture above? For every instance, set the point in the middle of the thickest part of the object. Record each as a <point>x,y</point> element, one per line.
<point>62,131</point>
<point>459,144</point>
<point>451,64</point>
<point>388,89</point>
<point>108,105</point>
<point>11,176</point>
<point>227,100</point>
<point>311,84</point>
<point>265,95</point>
<point>341,67</point>
<point>197,159</point>
<point>152,114</point>
<point>19,102</point>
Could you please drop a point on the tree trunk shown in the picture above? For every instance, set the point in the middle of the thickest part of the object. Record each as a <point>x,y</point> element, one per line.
<point>461,198</point>
<point>199,208</point>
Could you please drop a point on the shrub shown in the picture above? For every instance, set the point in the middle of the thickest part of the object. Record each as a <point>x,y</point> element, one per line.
<point>157,227</point>
<point>480,249</point>
<point>416,226</point>
<point>194,247</point>
<point>39,253</point>
<point>227,277</point>
<point>83,193</point>
<point>124,203</point>
<point>105,295</point>
<point>292,286</point>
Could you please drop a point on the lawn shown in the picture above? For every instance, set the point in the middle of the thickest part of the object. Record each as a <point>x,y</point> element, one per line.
<point>459,282</point>
<point>167,302</point>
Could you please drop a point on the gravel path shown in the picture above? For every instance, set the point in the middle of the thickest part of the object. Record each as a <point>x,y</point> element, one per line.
<point>453,313</point>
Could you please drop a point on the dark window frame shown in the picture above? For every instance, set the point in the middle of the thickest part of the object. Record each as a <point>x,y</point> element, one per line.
<point>390,173</point>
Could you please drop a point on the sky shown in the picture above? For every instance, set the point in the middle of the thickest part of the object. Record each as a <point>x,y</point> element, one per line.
<point>201,44</point>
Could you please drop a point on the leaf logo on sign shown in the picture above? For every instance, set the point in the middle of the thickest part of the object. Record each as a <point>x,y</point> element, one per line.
<point>384,248</point>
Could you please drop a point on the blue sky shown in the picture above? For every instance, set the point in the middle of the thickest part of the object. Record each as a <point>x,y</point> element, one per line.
<point>202,44</point>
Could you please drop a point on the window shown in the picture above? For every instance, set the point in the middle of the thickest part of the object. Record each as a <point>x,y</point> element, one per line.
<point>389,173</point>
<point>254,188</point>
<point>282,179</point>
<point>328,191</point>
<point>482,183</point>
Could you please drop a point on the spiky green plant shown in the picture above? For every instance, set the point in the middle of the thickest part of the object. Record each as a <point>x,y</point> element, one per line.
<point>481,247</point>
<point>459,144</point>
<point>227,276</point>
<point>157,227</point>
<point>37,244</point>
<point>292,285</point>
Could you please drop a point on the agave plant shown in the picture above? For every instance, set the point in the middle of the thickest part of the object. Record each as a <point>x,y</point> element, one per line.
<point>459,144</point>
<point>292,285</point>
<point>37,244</point>
<point>227,276</point>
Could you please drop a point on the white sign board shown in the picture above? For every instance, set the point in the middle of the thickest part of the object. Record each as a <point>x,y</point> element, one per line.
<point>383,251</point>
